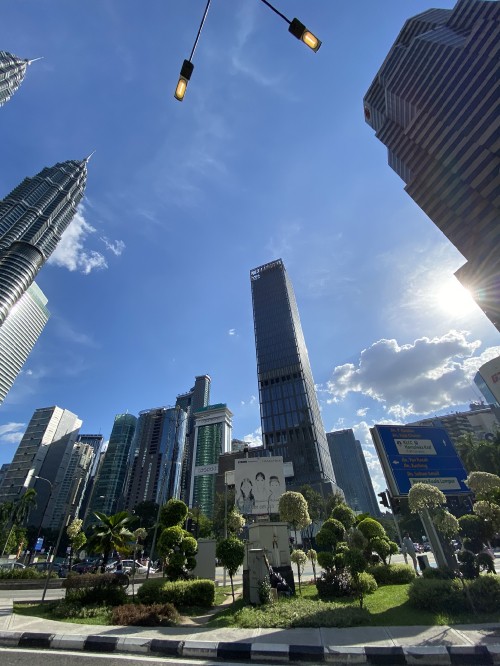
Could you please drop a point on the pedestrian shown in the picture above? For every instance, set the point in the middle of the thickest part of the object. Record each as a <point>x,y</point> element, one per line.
<point>410,550</point>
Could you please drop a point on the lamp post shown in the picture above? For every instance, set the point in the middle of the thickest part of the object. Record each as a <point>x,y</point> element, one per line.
<point>295,28</point>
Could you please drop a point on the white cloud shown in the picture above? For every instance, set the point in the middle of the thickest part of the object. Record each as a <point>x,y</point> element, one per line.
<point>425,376</point>
<point>70,252</point>
<point>232,331</point>
<point>362,412</point>
<point>254,438</point>
<point>11,433</point>
<point>116,247</point>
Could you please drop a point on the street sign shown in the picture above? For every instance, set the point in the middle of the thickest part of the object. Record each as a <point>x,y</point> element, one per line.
<point>39,544</point>
<point>419,454</point>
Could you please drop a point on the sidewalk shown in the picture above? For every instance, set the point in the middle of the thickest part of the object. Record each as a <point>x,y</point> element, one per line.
<point>426,646</point>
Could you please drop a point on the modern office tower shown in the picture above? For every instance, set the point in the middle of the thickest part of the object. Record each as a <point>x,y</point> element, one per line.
<point>109,483</point>
<point>212,437</point>
<point>487,380</point>
<point>434,104</point>
<point>50,431</point>
<point>290,416</point>
<point>95,441</point>
<point>351,472</point>
<point>32,219</point>
<point>70,485</point>
<point>155,461</point>
<point>191,402</point>
<point>481,422</point>
<point>19,333</point>
<point>3,472</point>
<point>98,447</point>
<point>12,72</point>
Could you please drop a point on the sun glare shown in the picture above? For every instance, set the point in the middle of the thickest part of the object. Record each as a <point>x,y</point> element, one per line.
<point>455,299</point>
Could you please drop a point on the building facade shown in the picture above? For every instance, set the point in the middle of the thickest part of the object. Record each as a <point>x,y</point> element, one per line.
<point>156,454</point>
<point>19,333</point>
<point>351,472</point>
<point>109,484</point>
<point>33,218</point>
<point>213,427</point>
<point>434,104</point>
<point>50,432</point>
<point>487,380</point>
<point>12,73</point>
<point>291,421</point>
<point>481,422</point>
<point>195,399</point>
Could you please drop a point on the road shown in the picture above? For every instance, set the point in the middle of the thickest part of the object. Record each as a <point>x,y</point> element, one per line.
<point>24,657</point>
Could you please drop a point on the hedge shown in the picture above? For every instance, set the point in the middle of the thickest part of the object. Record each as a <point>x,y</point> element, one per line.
<point>392,574</point>
<point>138,615</point>
<point>180,592</point>
<point>95,589</point>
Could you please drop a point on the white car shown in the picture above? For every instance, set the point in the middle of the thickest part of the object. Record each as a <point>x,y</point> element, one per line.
<point>11,564</point>
<point>128,565</point>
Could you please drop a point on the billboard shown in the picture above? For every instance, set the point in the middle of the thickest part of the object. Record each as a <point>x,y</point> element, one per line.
<point>419,454</point>
<point>258,484</point>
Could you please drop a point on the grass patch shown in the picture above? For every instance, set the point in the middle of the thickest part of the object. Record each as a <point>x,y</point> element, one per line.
<point>93,615</point>
<point>388,606</point>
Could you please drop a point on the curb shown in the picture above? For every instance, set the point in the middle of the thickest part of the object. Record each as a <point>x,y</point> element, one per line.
<point>438,655</point>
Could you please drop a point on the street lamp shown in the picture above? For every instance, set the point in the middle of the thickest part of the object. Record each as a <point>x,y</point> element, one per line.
<point>295,27</point>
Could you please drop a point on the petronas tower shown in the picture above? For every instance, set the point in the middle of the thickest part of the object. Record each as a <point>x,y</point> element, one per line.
<point>33,218</point>
<point>12,71</point>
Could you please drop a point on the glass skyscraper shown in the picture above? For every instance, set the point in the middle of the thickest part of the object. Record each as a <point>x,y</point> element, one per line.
<point>435,104</point>
<point>12,72</point>
<point>155,462</point>
<point>33,218</point>
<point>351,472</point>
<point>291,421</point>
<point>19,333</point>
<point>109,485</point>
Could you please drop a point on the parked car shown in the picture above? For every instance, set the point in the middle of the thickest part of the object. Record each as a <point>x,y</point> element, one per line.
<point>128,566</point>
<point>11,564</point>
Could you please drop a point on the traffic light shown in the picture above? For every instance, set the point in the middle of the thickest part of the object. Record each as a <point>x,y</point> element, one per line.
<point>384,500</point>
<point>395,504</point>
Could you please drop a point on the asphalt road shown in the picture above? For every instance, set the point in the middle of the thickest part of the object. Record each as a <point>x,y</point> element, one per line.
<point>23,657</point>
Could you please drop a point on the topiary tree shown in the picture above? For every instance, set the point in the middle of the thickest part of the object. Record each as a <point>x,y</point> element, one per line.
<point>174,512</point>
<point>313,557</point>
<point>299,558</point>
<point>231,553</point>
<point>345,515</point>
<point>292,508</point>
<point>178,548</point>
<point>371,529</point>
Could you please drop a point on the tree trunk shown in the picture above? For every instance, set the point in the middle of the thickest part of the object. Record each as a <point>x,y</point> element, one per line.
<point>232,586</point>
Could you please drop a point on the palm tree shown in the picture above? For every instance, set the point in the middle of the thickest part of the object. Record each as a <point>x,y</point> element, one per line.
<point>17,513</point>
<point>111,533</point>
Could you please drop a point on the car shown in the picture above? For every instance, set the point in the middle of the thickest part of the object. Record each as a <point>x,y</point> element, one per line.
<point>11,564</point>
<point>129,565</point>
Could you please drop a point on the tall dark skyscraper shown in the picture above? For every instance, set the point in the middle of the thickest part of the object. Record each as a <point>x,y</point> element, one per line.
<point>195,399</point>
<point>33,218</point>
<point>12,72</point>
<point>155,461</point>
<point>351,472</point>
<point>435,104</point>
<point>290,416</point>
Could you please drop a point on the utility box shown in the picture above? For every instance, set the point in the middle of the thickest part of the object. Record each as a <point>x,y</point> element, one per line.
<point>257,571</point>
<point>205,559</point>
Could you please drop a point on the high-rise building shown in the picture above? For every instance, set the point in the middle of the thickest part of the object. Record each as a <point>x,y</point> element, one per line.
<point>487,380</point>
<point>50,432</point>
<point>351,472</point>
<point>109,484</point>
<point>3,472</point>
<point>33,218</point>
<point>191,402</point>
<point>70,484</point>
<point>19,333</point>
<point>155,461</point>
<point>96,442</point>
<point>12,72</point>
<point>435,104</point>
<point>290,416</point>
<point>480,422</point>
<point>213,427</point>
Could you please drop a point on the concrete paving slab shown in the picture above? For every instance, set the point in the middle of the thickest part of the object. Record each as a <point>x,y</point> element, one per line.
<point>420,635</point>
<point>486,634</point>
<point>361,636</point>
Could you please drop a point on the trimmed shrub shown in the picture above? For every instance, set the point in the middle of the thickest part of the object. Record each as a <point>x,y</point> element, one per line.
<point>440,573</point>
<point>485,562</point>
<point>467,565</point>
<point>91,589</point>
<point>180,592</point>
<point>25,574</point>
<point>74,610</point>
<point>362,584</point>
<point>331,585</point>
<point>371,529</point>
<point>139,615</point>
<point>437,595</point>
<point>392,574</point>
<point>485,593</point>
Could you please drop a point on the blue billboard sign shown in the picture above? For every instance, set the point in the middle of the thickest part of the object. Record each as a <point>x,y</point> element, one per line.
<point>39,544</point>
<point>419,454</point>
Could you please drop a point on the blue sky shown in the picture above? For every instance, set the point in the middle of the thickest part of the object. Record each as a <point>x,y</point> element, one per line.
<point>267,157</point>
